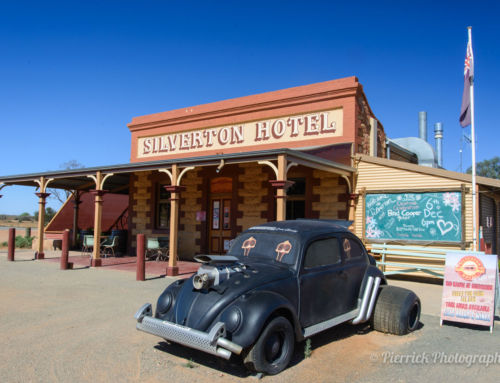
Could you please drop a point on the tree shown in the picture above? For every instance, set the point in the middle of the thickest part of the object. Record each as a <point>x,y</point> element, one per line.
<point>488,168</point>
<point>24,217</point>
<point>60,194</point>
<point>49,214</point>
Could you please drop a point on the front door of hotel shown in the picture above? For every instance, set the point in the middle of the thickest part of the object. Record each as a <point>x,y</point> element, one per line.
<point>220,226</point>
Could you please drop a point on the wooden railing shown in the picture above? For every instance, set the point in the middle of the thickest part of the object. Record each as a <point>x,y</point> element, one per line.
<point>400,259</point>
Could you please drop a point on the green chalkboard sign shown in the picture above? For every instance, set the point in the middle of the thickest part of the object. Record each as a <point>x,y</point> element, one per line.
<point>429,217</point>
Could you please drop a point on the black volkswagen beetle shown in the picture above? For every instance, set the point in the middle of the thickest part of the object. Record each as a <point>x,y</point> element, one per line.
<point>281,282</point>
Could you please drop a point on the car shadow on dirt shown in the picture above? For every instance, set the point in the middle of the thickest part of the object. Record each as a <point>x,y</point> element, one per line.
<point>235,366</point>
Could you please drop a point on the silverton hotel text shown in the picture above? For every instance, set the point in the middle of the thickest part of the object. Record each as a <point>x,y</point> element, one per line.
<point>290,128</point>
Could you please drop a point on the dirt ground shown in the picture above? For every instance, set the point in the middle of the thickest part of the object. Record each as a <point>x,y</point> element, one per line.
<point>78,326</point>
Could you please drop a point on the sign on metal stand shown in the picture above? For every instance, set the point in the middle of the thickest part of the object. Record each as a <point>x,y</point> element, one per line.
<point>469,289</point>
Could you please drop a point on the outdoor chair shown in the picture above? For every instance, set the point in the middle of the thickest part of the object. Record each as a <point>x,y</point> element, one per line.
<point>152,248</point>
<point>156,249</point>
<point>109,246</point>
<point>164,249</point>
<point>88,244</point>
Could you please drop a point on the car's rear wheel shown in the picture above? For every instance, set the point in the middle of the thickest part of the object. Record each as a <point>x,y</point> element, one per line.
<point>273,350</point>
<point>397,311</point>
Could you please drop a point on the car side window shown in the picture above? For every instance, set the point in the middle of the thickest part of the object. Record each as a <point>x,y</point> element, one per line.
<point>322,252</point>
<point>352,249</point>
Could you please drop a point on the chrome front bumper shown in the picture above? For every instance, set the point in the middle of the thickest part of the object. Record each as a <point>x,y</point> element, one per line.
<point>213,342</point>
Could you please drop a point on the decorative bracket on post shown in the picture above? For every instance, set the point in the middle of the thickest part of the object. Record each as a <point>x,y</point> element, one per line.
<point>291,164</point>
<point>2,185</point>
<point>178,179</point>
<point>174,188</point>
<point>42,196</point>
<point>348,181</point>
<point>43,183</point>
<point>168,173</point>
<point>275,169</point>
<point>184,171</point>
<point>99,180</point>
<point>281,184</point>
<point>271,165</point>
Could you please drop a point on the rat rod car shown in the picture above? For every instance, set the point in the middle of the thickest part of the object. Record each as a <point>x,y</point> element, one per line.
<point>280,282</point>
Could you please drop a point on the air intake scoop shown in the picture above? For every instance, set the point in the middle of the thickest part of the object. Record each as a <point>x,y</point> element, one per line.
<point>219,259</point>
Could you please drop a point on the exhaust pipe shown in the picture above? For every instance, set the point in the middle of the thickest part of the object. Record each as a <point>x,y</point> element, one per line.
<point>368,301</point>
<point>364,303</point>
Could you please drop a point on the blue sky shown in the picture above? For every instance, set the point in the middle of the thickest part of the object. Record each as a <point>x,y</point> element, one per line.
<point>74,73</point>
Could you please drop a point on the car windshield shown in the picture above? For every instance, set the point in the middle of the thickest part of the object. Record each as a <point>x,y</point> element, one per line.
<point>279,247</point>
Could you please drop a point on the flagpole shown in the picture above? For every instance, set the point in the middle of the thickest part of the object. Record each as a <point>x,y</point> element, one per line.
<point>473,139</point>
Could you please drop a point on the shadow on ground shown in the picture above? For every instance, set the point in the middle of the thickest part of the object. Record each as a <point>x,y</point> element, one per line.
<point>235,366</point>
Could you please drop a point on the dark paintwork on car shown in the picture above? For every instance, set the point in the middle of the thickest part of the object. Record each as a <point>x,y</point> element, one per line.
<point>304,296</point>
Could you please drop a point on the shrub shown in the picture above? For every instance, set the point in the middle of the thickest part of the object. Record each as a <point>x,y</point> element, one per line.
<point>307,348</point>
<point>23,242</point>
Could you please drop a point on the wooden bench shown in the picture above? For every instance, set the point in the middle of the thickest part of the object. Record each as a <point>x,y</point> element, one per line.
<point>400,259</point>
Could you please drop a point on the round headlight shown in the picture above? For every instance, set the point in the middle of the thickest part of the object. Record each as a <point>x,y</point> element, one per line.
<point>232,318</point>
<point>164,302</point>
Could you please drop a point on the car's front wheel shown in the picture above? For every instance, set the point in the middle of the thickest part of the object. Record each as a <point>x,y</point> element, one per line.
<point>273,350</point>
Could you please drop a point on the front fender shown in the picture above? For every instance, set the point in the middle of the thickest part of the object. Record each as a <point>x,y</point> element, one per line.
<point>256,308</point>
<point>168,298</point>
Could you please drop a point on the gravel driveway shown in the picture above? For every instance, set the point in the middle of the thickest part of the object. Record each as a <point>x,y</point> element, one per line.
<point>78,326</point>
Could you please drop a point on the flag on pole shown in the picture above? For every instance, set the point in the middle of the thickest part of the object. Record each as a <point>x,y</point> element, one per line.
<point>465,112</point>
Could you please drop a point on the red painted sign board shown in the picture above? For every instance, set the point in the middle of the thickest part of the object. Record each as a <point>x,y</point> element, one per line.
<point>469,288</point>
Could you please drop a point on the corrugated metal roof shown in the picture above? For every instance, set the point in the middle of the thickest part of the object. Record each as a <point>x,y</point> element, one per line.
<point>431,171</point>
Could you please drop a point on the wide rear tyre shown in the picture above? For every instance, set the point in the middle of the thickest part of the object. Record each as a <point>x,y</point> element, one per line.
<point>273,351</point>
<point>397,311</point>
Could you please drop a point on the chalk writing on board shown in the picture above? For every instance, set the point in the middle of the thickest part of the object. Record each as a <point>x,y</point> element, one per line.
<point>414,216</point>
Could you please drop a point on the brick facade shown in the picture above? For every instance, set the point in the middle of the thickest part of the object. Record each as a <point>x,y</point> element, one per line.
<point>255,201</point>
<point>332,201</point>
<point>253,195</point>
<point>140,202</point>
<point>189,236</point>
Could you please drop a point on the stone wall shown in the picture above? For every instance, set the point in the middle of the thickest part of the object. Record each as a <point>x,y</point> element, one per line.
<point>255,203</point>
<point>141,196</point>
<point>252,196</point>
<point>142,208</point>
<point>189,234</point>
<point>330,195</point>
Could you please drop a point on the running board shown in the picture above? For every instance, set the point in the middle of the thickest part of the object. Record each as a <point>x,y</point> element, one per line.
<point>311,330</point>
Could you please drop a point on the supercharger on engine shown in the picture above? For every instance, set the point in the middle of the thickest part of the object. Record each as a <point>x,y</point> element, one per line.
<point>215,270</point>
